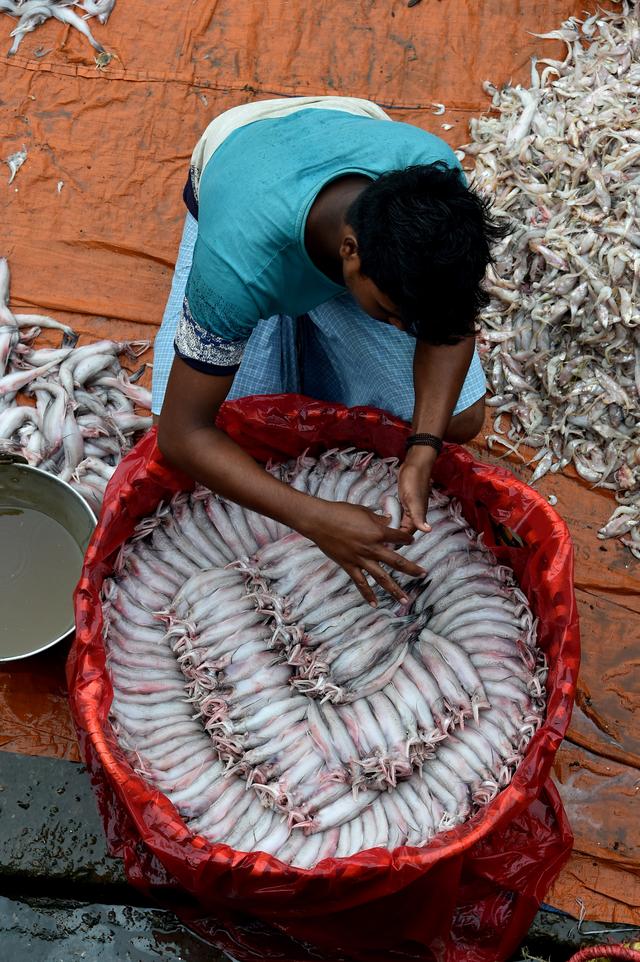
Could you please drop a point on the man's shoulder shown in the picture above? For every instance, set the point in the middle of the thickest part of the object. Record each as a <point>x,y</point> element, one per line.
<point>422,140</point>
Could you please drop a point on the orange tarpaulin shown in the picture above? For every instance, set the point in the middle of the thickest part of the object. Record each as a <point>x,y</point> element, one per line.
<point>91,226</point>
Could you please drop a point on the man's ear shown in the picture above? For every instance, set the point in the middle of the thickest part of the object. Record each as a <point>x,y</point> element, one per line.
<point>349,247</point>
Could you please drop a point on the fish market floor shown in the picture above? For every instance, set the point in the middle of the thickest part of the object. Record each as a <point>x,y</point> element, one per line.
<point>62,896</point>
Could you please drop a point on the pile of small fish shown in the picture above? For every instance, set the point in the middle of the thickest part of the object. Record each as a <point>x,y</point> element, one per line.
<point>84,419</point>
<point>279,712</point>
<point>31,13</point>
<point>561,336</point>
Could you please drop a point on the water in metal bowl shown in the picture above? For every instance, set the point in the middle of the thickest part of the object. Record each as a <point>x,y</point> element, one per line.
<point>45,527</point>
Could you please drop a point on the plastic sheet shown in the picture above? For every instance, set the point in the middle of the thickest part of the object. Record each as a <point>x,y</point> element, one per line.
<point>472,892</point>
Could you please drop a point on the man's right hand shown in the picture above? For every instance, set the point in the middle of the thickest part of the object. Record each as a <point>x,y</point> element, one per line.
<point>358,540</point>
<point>351,535</point>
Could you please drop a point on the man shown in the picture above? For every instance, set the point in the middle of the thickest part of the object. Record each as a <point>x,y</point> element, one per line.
<point>331,251</point>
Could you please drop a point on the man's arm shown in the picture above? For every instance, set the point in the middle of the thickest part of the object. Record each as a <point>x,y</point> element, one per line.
<point>438,376</point>
<point>355,537</point>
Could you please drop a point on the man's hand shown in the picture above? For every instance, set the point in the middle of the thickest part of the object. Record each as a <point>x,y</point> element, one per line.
<point>414,486</point>
<point>352,535</point>
<point>357,539</point>
<point>438,375</point>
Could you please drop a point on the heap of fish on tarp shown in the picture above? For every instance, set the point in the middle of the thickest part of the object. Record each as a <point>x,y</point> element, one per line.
<point>561,336</point>
<point>31,13</point>
<point>278,711</point>
<point>83,420</point>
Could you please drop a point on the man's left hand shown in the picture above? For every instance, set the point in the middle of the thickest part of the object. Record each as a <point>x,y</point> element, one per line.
<point>414,486</point>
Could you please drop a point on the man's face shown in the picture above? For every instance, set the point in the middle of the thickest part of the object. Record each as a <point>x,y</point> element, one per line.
<point>370,298</point>
<point>373,302</point>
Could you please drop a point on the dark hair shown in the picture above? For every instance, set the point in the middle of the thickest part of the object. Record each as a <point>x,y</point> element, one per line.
<point>424,239</point>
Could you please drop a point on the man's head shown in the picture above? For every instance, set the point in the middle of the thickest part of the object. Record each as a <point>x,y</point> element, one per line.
<point>415,248</point>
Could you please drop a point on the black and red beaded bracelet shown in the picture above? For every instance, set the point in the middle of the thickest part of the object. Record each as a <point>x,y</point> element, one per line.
<point>428,439</point>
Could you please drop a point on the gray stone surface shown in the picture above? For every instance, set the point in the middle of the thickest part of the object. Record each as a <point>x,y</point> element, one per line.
<point>52,930</point>
<point>52,845</point>
<point>57,930</point>
<point>556,937</point>
<point>49,824</point>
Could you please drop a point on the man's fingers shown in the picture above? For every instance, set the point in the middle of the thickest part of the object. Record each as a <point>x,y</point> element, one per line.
<point>416,511</point>
<point>397,536</point>
<point>398,563</point>
<point>406,524</point>
<point>386,581</point>
<point>393,535</point>
<point>362,585</point>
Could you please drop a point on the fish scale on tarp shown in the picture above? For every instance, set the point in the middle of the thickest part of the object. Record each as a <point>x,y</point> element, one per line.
<point>472,892</point>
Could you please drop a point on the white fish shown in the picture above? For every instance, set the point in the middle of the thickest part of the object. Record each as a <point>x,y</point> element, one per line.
<point>5,280</point>
<point>73,445</point>
<point>134,391</point>
<point>521,128</point>
<point>54,412</point>
<point>66,15</point>
<point>42,320</point>
<point>52,435</point>
<point>27,23</point>
<point>19,379</point>
<point>31,13</point>
<point>14,417</point>
<point>15,162</point>
<point>98,8</point>
<point>9,334</point>
<point>398,763</point>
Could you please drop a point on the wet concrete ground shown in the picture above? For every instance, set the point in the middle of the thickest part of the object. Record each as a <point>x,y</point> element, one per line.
<point>57,930</point>
<point>64,898</point>
<point>50,828</point>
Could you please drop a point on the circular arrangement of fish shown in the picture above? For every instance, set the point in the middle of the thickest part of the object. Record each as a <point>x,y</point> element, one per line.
<point>278,711</point>
<point>560,337</point>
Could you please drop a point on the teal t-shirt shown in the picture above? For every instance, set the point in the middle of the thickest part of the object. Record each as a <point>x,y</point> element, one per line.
<point>255,193</point>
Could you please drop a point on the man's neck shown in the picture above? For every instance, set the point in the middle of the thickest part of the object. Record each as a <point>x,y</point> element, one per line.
<point>325,222</point>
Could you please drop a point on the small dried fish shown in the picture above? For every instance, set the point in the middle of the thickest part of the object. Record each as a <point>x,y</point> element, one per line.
<point>561,162</point>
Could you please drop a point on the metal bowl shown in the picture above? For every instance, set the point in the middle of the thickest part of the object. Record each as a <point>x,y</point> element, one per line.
<point>25,487</point>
